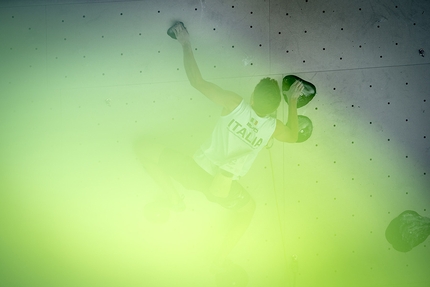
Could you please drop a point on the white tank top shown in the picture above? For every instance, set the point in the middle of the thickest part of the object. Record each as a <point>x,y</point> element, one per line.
<point>236,141</point>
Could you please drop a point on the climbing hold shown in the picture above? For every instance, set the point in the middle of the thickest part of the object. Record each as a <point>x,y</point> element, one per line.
<point>407,230</point>
<point>305,128</point>
<point>171,31</point>
<point>309,90</point>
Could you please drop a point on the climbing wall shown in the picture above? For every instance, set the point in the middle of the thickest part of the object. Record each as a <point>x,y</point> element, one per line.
<point>81,81</point>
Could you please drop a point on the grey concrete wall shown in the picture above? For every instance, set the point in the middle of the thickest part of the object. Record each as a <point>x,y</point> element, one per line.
<point>80,81</point>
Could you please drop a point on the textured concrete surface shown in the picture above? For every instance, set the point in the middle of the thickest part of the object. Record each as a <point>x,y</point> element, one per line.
<point>80,81</point>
